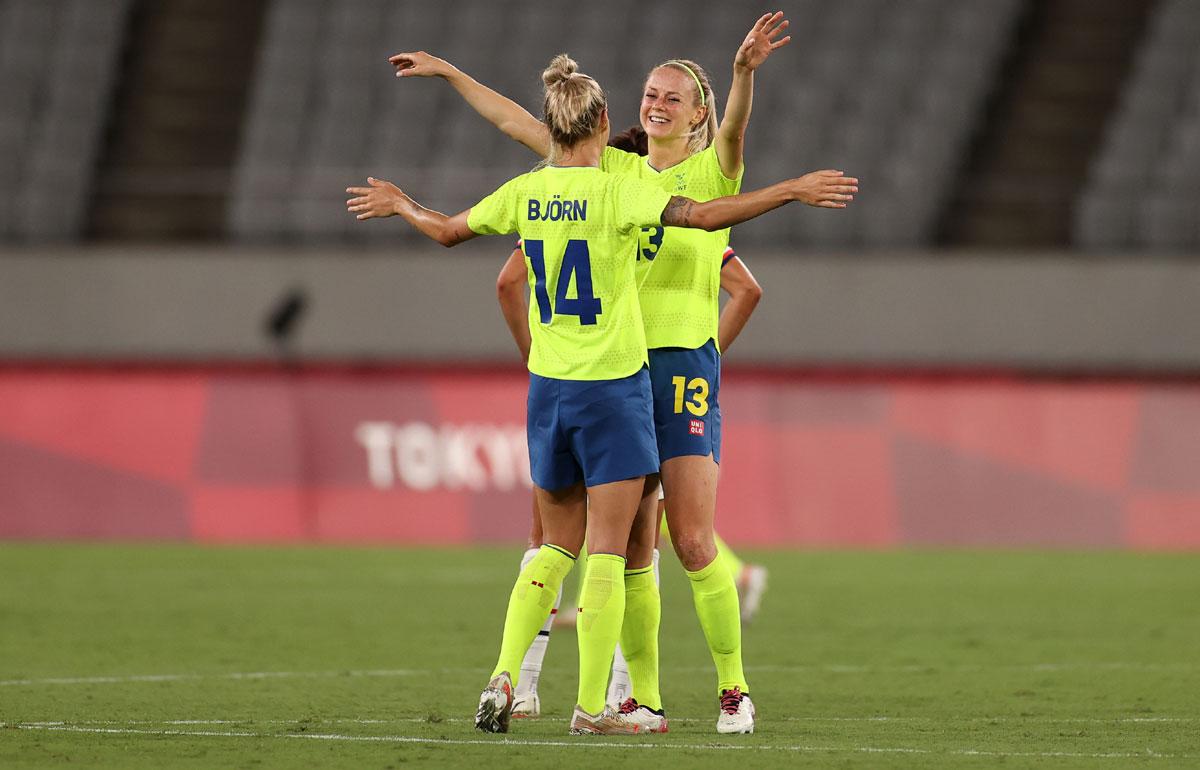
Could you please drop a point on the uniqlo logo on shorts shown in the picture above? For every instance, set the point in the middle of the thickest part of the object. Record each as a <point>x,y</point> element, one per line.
<point>696,428</point>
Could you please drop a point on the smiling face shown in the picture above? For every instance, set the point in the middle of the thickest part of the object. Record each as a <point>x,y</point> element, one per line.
<point>670,105</point>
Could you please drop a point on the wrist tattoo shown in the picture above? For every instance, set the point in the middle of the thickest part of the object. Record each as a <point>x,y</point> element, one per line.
<point>678,212</point>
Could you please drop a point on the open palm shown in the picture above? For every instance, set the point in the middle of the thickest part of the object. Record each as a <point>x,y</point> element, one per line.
<point>761,41</point>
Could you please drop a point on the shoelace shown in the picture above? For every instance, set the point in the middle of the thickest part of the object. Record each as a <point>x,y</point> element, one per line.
<point>731,700</point>
<point>629,706</point>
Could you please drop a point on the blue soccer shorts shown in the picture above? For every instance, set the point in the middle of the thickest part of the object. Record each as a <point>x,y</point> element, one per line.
<point>595,431</point>
<point>687,414</point>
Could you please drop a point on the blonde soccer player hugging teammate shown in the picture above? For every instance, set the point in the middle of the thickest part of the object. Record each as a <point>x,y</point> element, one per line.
<point>679,276</point>
<point>744,294</point>
<point>590,419</point>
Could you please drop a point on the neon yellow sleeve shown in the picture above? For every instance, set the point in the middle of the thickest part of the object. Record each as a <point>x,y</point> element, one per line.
<point>497,213</point>
<point>639,204</point>
<point>616,161</point>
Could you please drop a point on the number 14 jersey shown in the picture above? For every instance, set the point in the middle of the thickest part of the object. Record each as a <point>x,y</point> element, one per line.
<point>580,227</point>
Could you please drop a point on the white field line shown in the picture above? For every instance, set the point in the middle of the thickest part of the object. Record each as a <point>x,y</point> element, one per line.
<point>589,744</point>
<point>453,720</point>
<point>200,677</point>
<point>828,668</point>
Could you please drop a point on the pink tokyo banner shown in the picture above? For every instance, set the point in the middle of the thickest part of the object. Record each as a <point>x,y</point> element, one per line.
<point>438,456</point>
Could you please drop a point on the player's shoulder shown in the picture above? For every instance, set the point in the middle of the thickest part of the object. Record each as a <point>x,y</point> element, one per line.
<point>617,161</point>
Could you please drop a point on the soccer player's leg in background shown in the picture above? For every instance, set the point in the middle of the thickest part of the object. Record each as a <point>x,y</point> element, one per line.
<point>532,598</point>
<point>526,702</point>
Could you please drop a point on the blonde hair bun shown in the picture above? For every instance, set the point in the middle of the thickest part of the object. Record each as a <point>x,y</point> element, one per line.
<point>573,104</point>
<point>561,68</point>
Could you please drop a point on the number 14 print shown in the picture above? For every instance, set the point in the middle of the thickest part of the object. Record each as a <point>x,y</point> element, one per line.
<point>576,262</point>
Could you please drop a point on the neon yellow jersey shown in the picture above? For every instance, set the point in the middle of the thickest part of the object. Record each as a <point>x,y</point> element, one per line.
<point>679,297</point>
<point>580,229</point>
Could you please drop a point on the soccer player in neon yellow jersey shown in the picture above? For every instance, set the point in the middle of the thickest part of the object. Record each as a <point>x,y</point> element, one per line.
<point>590,412</point>
<point>689,154</point>
<point>744,293</point>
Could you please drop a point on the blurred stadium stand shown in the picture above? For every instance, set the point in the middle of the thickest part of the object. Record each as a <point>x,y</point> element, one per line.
<point>1144,186</point>
<point>1062,80</point>
<point>889,91</point>
<point>58,67</point>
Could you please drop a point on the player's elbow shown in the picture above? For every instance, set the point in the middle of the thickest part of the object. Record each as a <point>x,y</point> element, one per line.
<point>753,293</point>
<point>506,285</point>
<point>448,236</point>
<point>705,218</point>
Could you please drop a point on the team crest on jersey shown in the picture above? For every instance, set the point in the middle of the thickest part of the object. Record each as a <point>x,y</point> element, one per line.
<point>680,182</point>
<point>696,428</point>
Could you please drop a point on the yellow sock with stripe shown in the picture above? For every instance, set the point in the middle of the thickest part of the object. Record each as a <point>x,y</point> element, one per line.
<point>601,612</point>
<point>639,635</point>
<point>716,599</point>
<point>529,605</point>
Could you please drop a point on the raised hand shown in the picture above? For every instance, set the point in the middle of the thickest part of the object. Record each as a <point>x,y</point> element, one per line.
<point>378,200</point>
<point>760,41</point>
<point>420,65</point>
<point>826,189</point>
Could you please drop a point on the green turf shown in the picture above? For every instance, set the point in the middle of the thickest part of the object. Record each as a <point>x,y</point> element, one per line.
<point>858,660</point>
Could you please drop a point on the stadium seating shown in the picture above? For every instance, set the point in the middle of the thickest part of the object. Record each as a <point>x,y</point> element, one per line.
<point>58,60</point>
<point>890,92</point>
<point>1144,186</point>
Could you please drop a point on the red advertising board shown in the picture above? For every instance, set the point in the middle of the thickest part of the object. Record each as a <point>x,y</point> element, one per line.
<point>412,455</point>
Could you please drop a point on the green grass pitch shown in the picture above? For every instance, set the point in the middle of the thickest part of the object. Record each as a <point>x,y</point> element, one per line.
<point>176,656</point>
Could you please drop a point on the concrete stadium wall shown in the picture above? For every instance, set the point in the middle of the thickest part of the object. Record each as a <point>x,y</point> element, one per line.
<point>1129,313</point>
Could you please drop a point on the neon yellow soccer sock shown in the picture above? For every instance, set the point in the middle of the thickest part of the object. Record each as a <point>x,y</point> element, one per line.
<point>601,612</point>
<point>716,600</point>
<point>731,558</point>
<point>529,604</point>
<point>639,635</point>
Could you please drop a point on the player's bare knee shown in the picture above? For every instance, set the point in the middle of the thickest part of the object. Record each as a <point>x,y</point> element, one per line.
<point>695,551</point>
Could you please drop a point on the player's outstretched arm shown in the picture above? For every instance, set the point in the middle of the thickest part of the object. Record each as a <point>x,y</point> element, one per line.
<point>384,199</point>
<point>762,39</point>
<point>510,291</point>
<point>824,189</point>
<point>502,112</point>
<point>744,293</point>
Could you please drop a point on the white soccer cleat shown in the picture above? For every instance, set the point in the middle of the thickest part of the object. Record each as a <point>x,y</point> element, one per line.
<point>495,705</point>
<point>607,722</point>
<point>751,585</point>
<point>527,706</point>
<point>737,712</point>
<point>648,719</point>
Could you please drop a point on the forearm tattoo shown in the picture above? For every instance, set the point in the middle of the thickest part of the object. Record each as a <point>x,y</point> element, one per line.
<point>678,212</point>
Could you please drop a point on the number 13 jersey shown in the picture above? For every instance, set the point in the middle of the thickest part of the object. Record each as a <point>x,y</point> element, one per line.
<point>580,227</point>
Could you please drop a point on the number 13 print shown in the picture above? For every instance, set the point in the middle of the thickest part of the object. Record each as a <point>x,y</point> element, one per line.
<point>698,403</point>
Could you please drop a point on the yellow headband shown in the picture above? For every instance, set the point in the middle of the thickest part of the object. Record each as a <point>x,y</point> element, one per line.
<point>695,77</point>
